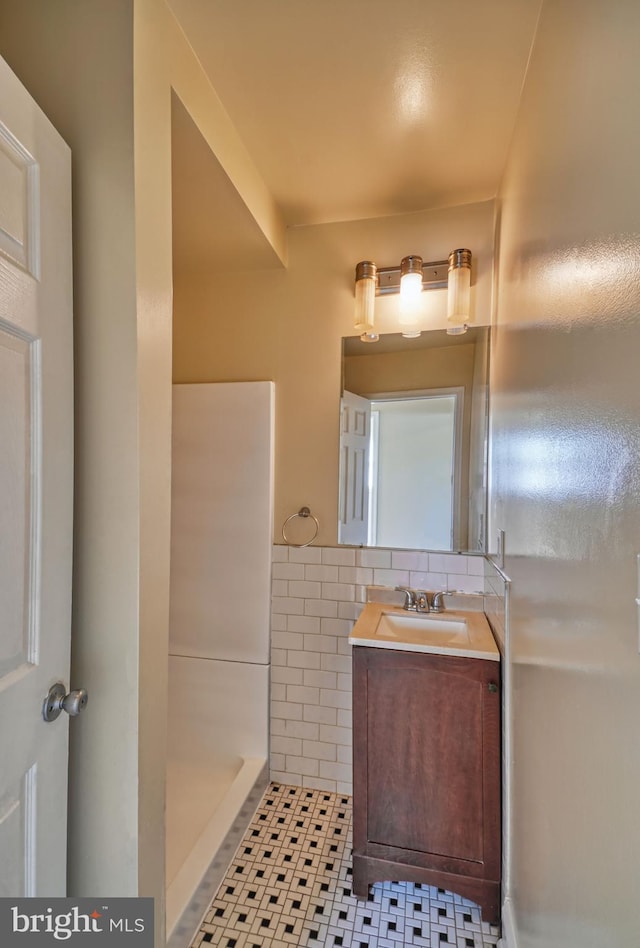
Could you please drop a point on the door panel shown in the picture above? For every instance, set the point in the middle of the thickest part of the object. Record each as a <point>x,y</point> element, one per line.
<point>425,786</point>
<point>19,198</point>
<point>355,421</point>
<point>17,515</point>
<point>36,482</point>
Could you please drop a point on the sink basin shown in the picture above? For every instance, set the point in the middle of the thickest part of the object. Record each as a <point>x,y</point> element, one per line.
<point>456,633</point>
<point>424,626</point>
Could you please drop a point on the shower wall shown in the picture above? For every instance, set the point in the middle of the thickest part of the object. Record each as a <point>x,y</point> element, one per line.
<point>222,497</point>
<point>222,488</point>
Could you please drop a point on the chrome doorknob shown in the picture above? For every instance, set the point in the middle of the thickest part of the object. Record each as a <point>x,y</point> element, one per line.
<point>58,701</point>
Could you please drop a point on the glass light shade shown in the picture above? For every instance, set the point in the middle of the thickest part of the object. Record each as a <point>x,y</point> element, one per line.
<point>458,291</point>
<point>411,286</point>
<point>365,300</point>
<point>410,293</point>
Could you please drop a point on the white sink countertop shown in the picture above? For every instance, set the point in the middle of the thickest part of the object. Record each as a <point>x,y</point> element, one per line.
<point>452,632</point>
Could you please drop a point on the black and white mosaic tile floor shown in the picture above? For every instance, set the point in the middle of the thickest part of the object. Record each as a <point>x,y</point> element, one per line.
<point>290,884</point>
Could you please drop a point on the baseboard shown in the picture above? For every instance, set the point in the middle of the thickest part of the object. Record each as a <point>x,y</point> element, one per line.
<point>509,932</point>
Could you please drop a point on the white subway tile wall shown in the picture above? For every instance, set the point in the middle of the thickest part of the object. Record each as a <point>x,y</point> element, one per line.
<point>318,593</point>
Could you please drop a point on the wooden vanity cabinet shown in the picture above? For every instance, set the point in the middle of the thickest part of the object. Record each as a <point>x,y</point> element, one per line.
<point>426,760</point>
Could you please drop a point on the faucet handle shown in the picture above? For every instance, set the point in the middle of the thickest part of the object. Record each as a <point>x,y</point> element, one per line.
<point>437,602</point>
<point>410,596</point>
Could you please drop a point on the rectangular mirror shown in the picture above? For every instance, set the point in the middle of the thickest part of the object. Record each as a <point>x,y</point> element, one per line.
<point>413,441</point>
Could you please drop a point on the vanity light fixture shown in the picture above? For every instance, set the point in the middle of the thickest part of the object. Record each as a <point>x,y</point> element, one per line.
<point>410,290</point>
<point>409,280</point>
<point>366,282</point>
<point>459,291</point>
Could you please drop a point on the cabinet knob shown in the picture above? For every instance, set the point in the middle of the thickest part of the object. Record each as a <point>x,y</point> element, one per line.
<point>493,688</point>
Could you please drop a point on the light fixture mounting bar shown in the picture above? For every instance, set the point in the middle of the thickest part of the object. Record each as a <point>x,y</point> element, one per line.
<point>434,277</point>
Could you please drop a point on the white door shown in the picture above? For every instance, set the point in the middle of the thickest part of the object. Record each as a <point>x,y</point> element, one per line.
<point>36,482</point>
<point>355,421</point>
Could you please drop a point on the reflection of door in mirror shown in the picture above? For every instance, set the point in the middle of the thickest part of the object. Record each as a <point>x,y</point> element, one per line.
<point>435,499</point>
<point>355,433</point>
<point>414,470</point>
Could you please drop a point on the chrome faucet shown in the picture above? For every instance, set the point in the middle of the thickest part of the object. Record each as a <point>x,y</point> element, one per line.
<point>415,600</point>
<point>419,600</point>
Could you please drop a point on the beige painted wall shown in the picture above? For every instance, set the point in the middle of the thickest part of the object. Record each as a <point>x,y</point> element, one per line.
<point>164,63</point>
<point>566,463</point>
<point>152,166</point>
<point>89,99</point>
<point>112,105</point>
<point>287,326</point>
<point>407,371</point>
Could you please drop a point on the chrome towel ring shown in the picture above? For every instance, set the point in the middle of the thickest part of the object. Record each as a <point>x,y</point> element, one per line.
<point>305,513</point>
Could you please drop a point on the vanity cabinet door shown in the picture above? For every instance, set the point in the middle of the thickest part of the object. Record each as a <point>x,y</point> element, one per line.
<point>426,768</point>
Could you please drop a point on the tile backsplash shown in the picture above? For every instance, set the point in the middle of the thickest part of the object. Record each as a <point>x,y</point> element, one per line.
<point>317,594</point>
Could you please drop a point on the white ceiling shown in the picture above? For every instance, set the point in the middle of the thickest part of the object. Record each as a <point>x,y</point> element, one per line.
<point>366,108</point>
<point>350,109</point>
